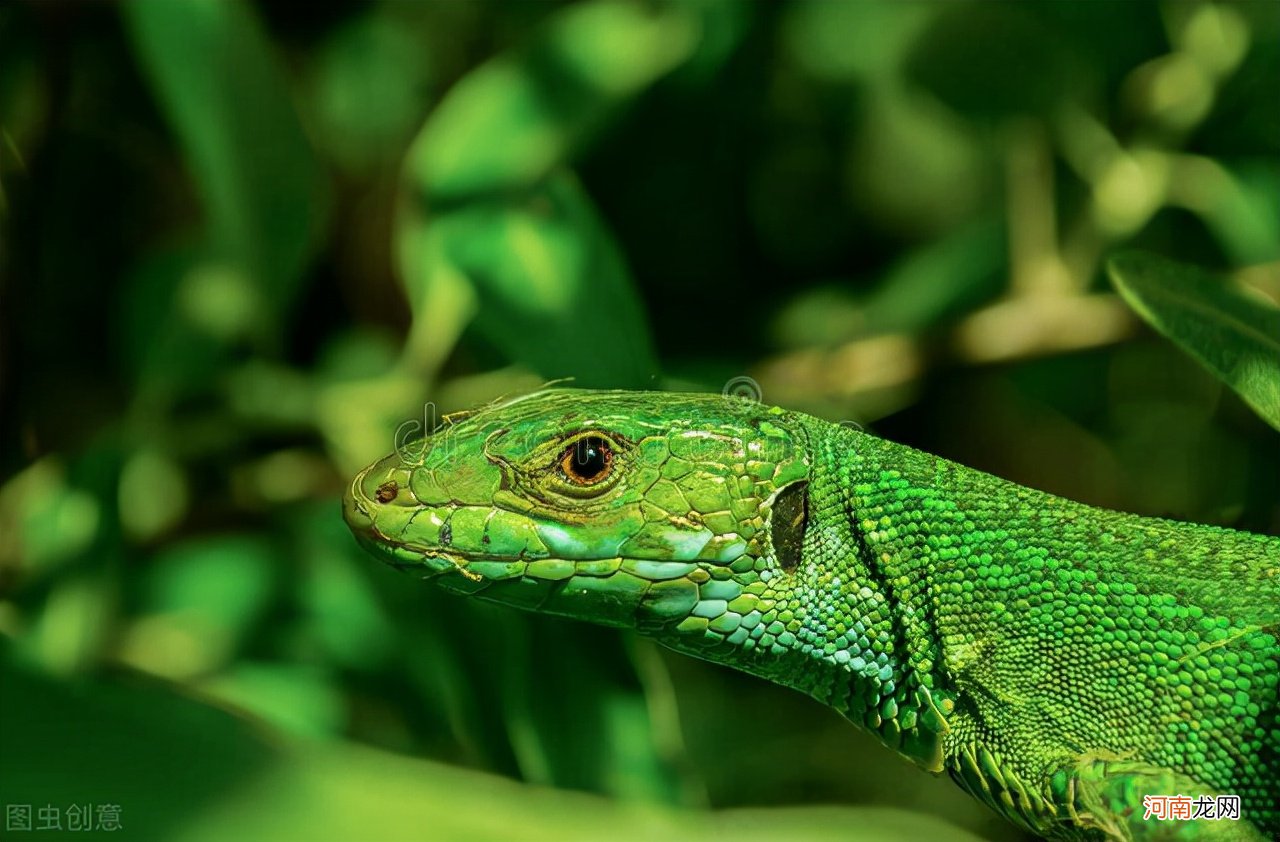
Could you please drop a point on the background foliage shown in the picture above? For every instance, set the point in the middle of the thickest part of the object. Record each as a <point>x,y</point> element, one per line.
<point>241,243</point>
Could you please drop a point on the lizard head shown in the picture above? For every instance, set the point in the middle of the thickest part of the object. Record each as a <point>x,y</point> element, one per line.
<point>670,513</point>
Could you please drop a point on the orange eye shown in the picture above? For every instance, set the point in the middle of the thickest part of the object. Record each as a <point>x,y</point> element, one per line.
<point>587,461</point>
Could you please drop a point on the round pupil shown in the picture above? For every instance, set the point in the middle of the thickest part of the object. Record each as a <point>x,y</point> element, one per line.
<point>590,458</point>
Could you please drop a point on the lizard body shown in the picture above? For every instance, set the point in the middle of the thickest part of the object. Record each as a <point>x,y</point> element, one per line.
<point>1059,661</point>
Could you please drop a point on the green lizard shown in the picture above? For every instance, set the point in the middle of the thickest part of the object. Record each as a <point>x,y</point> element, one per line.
<point>1059,661</point>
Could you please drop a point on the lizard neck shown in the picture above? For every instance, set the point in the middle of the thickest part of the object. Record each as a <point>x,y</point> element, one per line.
<point>833,627</point>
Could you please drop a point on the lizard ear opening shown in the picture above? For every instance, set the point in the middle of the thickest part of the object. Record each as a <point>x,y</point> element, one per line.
<point>789,517</point>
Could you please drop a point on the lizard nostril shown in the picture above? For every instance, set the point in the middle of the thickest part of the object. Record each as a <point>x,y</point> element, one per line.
<point>386,492</point>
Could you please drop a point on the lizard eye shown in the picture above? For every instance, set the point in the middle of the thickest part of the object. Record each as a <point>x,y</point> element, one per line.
<point>587,461</point>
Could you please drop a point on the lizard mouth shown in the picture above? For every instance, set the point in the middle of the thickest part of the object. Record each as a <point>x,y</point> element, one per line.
<point>375,504</point>
<point>356,509</point>
<point>359,511</point>
<point>436,559</point>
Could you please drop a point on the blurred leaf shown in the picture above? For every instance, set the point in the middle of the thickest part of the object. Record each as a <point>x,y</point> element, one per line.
<point>932,283</point>
<point>1173,458</point>
<point>74,601</point>
<point>357,355</point>
<point>1239,206</point>
<point>43,520</point>
<point>153,494</point>
<point>266,394</point>
<point>508,123</point>
<point>993,60</point>
<point>865,41</point>
<point>166,354</point>
<point>1234,336</point>
<point>295,698</point>
<point>940,280</point>
<point>114,744</point>
<point>602,737</point>
<point>342,611</point>
<point>910,132</point>
<point>111,744</point>
<point>527,253</point>
<point>227,577</point>
<point>497,677</point>
<point>549,280</point>
<point>371,87</point>
<point>71,630</point>
<point>1242,123</point>
<point>202,597</point>
<point>360,417</point>
<point>448,648</point>
<point>222,87</point>
<point>443,301</point>
<point>265,197</point>
<point>721,27</point>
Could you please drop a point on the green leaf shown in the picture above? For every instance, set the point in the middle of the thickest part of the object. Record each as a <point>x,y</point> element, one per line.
<point>223,89</point>
<point>44,521</point>
<point>967,56</point>
<point>202,598</point>
<point>1235,336</point>
<point>510,122</point>
<point>180,769</point>
<point>548,277</point>
<point>295,698</point>
<point>367,91</point>
<point>604,736</point>
<point>340,607</point>
<point>937,281</point>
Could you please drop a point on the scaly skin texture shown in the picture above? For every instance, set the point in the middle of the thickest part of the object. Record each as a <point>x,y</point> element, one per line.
<point>1059,661</point>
